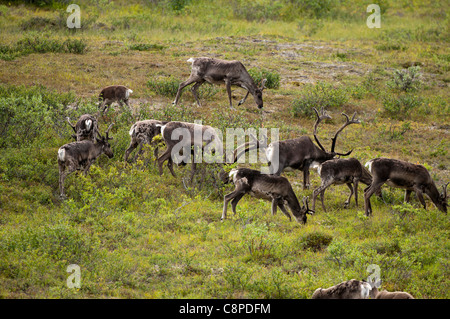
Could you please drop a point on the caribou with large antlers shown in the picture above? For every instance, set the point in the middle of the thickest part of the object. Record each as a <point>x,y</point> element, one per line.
<point>401,174</point>
<point>216,71</point>
<point>80,155</point>
<point>300,153</point>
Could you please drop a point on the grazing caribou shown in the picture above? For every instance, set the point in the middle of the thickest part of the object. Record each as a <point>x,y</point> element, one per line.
<point>300,153</point>
<point>216,71</point>
<point>351,289</point>
<point>114,93</point>
<point>143,132</point>
<point>80,155</point>
<point>86,128</point>
<point>276,189</point>
<point>341,171</point>
<point>181,137</point>
<point>401,174</point>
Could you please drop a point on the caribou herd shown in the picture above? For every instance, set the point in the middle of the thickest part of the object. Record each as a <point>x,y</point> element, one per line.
<point>299,153</point>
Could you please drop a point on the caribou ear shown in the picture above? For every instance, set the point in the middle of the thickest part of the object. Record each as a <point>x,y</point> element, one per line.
<point>263,84</point>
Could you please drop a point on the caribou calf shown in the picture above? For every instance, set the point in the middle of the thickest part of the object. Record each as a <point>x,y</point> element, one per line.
<point>114,93</point>
<point>401,174</point>
<point>351,289</point>
<point>86,128</point>
<point>80,155</point>
<point>216,71</point>
<point>341,171</point>
<point>143,132</point>
<point>270,187</point>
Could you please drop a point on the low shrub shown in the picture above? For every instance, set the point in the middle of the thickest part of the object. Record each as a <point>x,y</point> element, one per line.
<point>320,95</point>
<point>273,77</point>
<point>315,241</point>
<point>146,47</point>
<point>164,85</point>
<point>400,107</point>
<point>41,44</point>
<point>406,80</point>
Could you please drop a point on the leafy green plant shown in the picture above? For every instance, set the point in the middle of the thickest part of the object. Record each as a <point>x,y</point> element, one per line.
<point>146,47</point>
<point>401,106</point>
<point>406,80</point>
<point>316,241</point>
<point>258,241</point>
<point>320,95</point>
<point>273,77</point>
<point>164,85</point>
<point>41,44</point>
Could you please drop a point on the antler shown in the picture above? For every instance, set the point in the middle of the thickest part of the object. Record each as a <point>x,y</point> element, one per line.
<point>444,190</point>
<point>319,119</point>
<point>263,84</point>
<point>73,126</point>
<point>305,203</point>
<point>348,122</point>
<point>247,146</point>
<point>107,132</point>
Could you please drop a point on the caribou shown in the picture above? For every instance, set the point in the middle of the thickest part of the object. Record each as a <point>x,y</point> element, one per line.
<point>86,128</point>
<point>141,133</point>
<point>300,153</point>
<point>181,138</point>
<point>276,189</point>
<point>351,289</point>
<point>341,171</point>
<point>216,71</point>
<point>114,93</point>
<point>401,174</point>
<point>80,155</point>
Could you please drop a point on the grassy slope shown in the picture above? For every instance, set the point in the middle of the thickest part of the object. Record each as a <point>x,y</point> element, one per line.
<point>135,234</point>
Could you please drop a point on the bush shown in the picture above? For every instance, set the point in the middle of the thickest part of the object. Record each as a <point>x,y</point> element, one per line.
<point>400,107</point>
<point>256,10</point>
<point>273,77</point>
<point>41,44</point>
<point>164,85</point>
<point>26,112</point>
<point>177,5</point>
<point>320,95</point>
<point>146,47</point>
<point>391,46</point>
<point>75,46</point>
<point>315,241</point>
<point>314,8</point>
<point>406,80</point>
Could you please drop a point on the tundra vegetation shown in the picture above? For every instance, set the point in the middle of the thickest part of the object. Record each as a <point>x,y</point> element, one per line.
<point>136,234</point>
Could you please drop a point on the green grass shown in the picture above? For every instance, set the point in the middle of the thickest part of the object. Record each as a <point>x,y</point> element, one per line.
<point>136,234</point>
